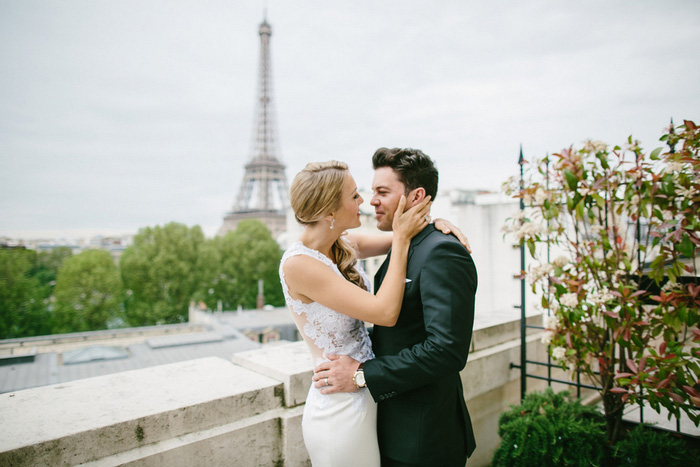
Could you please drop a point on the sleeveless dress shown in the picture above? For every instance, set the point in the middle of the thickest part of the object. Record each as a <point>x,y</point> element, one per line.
<point>339,429</point>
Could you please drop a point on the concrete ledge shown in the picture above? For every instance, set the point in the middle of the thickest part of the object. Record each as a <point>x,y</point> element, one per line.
<point>211,412</point>
<point>290,363</point>
<point>486,337</point>
<point>251,441</point>
<point>490,368</point>
<point>90,419</point>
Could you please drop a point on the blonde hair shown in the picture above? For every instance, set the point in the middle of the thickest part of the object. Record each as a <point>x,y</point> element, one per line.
<point>315,192</point>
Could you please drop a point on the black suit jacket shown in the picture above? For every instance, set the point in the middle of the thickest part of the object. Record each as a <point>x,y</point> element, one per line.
<point>422,416</point>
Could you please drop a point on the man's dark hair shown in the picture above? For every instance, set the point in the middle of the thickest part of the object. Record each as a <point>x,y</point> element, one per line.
<point>413,168</point>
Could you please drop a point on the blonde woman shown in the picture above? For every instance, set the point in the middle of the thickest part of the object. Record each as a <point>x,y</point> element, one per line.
<point>330,298</point>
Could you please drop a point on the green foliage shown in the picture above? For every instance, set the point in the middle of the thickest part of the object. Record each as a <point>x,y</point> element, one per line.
<point>644,446</point>
<point>161,271</point>
<point>625,222</point>
<point>550,429</point>
<point>47,265</point>
<point>88,293</point>
<point>238,261</point>
<point>23,311</point>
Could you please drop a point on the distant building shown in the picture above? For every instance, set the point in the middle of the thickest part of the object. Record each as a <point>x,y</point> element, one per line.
<point>39,361</point>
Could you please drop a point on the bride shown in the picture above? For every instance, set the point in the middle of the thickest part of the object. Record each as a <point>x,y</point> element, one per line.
<point>330,298</point>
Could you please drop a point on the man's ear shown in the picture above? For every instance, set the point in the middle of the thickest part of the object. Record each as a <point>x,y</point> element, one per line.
<point>415,196</point>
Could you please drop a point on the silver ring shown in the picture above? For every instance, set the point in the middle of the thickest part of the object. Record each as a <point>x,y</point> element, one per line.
<point>327,382</point>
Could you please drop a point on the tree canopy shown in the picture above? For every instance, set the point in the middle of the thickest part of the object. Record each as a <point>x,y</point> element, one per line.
<point>23,311</point>
<point>241,258</point>
<point>88,293</point>
<point>161,271</point>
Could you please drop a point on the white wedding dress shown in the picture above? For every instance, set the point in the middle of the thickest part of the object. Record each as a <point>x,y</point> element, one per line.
<point>339,429</point>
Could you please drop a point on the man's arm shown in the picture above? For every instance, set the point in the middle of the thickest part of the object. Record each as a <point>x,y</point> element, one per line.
<point>448,286</point>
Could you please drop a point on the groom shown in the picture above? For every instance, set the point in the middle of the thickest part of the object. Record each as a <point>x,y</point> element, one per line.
<point>422,417</point>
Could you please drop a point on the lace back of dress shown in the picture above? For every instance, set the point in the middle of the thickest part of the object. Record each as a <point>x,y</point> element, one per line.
<point>323,329</point>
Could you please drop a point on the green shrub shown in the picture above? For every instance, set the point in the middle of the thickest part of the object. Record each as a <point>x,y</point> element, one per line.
<point>550,429</point>
<point>644,446</point>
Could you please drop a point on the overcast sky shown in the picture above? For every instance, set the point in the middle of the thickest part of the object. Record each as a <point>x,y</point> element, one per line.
<point>116,115</point>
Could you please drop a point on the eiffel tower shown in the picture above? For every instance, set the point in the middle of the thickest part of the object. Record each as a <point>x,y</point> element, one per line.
<point>263,194</point>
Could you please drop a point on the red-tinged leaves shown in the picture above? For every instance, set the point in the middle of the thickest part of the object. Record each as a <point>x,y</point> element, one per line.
<point>664,383</point>
<point>694,290</point>
<point>638,292</point>
<point>663,297</point>
<point>676,398</point>
<point>612,314</point>
<point>695,401</point>
<point>643,363</point>
<point>640,323</point>
<point>601,362</point>
<point>619,391</point>
<point>625,397</point>
<point>689,124</point>
<point>632,366</point>
<point>691,391</point>
<point>616,333</point>
<point>623,375</point>
<point>627,334</point>
<point>662,347</point>
<point>696,334</point>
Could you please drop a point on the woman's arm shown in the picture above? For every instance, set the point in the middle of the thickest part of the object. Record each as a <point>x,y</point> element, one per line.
<point>369,245</point>
<point>311,281</point>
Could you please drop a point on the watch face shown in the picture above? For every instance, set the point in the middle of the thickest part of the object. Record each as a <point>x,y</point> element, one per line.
<point>360,378</point>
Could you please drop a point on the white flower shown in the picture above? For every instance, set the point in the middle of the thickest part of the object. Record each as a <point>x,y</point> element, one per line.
<point>594,146</point>
<point>539,271</point>
<point>554,306</point>
<point>668,215</point>
<point>583,191</point>
<point>529,229</point>
<point>569,299</point>
<point>668,286</point>
<point>686,192</point>
<point>558,353</point>
<point>596,229</point>
<point>560,261</point>
<point>547,337</point>
<point>600,297</point>
<point>635,200</point>
<point>634,175</point>
<point>551,322</point>
<point>518,215</point>
<point>540,196</point>
<point>674,166</point>
<point>633,146</point>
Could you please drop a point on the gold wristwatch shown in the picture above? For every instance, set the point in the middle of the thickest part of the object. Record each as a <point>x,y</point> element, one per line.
<point>359,377</point>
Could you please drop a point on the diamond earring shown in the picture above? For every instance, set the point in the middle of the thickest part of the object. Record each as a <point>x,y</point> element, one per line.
<point>332,223</point>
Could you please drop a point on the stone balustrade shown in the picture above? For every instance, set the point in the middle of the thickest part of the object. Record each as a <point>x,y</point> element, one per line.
<point>213,412</point>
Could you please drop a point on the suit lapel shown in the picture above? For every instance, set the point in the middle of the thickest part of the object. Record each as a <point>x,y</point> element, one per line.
<point>379,276</point>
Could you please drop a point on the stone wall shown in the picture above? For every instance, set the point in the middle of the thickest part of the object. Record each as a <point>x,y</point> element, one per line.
<point>212,412</point>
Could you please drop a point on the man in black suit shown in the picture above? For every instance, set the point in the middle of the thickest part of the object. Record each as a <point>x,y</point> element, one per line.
<point>422,417</point>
